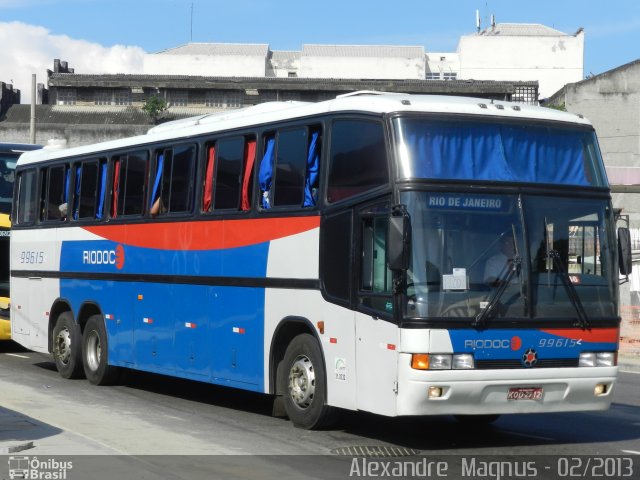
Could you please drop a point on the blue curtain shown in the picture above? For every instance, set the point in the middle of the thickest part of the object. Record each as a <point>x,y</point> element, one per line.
<point>103,189</point>
<point>76,199</point>
<point>313,159</point>
<point>496,153</point>
<point>156,183</point>
<point>266,173</point>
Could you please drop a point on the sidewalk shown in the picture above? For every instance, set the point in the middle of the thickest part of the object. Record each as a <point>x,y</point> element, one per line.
<point>629,362</point>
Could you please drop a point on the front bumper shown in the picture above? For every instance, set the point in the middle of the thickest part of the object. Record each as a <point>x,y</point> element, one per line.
<point>479,392</point>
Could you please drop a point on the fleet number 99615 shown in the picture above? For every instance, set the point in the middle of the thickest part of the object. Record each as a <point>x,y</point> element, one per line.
<point>31,257</point>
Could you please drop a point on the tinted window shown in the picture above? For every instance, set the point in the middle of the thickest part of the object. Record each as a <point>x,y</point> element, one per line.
<point>54,193</point>
<point>173,183</point>
<point>291,163</point>
<point>27,196</point>
<point>86,204</point>
<point>130,183</point>
<point>229,173</point>
<point>358,159</point>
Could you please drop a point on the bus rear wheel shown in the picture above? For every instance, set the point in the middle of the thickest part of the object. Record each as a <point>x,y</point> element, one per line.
<point>67,347</point>
<point>96,354</point>
<point>305,384</point>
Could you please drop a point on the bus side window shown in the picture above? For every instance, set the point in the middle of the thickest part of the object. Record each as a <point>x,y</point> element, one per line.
<point>265,175</point>
<point>172,189</point>
<point>131,183</point>
<point>289,169</point>
<point>86,191</point>
<point>54,193</point>
<point>228,173</point>
<point>27,196</point>
<point>358,160</point>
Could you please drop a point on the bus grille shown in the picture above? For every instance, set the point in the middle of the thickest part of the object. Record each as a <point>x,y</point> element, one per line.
<point>542,363</point>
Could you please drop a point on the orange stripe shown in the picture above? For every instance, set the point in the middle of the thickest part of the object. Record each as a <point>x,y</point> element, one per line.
<point>600,335</point>
<point>212,235</point>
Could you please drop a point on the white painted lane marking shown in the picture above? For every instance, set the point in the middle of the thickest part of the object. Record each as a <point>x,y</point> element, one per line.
<point>633,452</point>
<point>629,371</point>
<point>16,355</point>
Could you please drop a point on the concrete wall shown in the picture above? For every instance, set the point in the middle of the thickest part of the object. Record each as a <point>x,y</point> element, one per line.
<point>611,101</point>
<point>205,65</point>
<point>552,60</point>
<point>362,67</point>
<point>74,135</point>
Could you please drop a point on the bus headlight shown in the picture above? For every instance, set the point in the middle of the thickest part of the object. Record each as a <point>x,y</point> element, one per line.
<point>463,361</point>
<point>440,361</point>
<point>597,359</point>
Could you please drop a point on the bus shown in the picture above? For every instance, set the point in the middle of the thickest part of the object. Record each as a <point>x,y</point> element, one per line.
<point>333,255</point>
<point>9,153</point>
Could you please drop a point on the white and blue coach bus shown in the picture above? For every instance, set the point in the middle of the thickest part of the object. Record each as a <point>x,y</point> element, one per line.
<point>337,255</point>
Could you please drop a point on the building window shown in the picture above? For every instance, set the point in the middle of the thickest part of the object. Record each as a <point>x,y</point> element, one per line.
<point>122,97</point>
<point>179,98</point>
<point>450,75</point>
<point>433,76</point>
<point>224,99</point>
<point>67,96</point>
<point>102,97</point>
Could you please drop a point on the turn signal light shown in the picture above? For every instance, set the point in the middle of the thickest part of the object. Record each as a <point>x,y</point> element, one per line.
<point>420,361</point>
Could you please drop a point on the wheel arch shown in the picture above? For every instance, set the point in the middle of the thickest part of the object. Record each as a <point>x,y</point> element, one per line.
<point>287,330</point>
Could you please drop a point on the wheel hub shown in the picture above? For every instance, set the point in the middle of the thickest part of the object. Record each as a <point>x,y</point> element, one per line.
<point>93,351</point>
<point>63,345</point>
<point>302,381</point>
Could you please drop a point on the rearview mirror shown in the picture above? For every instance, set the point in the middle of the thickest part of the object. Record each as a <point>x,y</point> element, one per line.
<point>625,259</point>
<point>398,235</point>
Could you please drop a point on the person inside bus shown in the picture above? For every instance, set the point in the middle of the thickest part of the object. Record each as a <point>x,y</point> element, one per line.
<point>496,267</point>
<point>6,181</point>
<point>157,207</point>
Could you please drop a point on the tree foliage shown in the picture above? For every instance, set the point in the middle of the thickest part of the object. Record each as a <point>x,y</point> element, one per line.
<point>154,107</point>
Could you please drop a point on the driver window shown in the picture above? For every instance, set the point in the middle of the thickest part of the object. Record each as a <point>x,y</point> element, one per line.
<point>375,276</point>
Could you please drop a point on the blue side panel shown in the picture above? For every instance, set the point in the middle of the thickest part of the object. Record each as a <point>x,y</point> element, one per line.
<point>507,344</point>
<point>208,333</point>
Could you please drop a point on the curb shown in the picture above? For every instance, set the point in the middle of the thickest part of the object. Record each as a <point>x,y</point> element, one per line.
<point>16,448</point>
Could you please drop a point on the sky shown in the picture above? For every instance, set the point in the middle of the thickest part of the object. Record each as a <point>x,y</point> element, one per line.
<point>112,36</point>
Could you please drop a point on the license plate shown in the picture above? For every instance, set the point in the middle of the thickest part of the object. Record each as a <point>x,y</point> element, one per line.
<point>525,393</point>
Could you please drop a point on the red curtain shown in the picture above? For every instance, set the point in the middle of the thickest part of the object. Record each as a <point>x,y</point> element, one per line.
<point>249,159</point>
<point>116,188</point>
<point>208,180</point>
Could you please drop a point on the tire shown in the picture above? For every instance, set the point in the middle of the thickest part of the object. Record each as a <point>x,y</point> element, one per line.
<point>477,420</point>
<point>95,351</point>
<point>66,347</point>
<point>304,384</point>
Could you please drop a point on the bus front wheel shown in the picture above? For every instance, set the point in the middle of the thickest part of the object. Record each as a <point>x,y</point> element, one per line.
<point>305,384</point>
<point>95,353</point>
<point>67,346</point>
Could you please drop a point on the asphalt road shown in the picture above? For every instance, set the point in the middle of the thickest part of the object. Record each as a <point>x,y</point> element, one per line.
<point>160,427</point>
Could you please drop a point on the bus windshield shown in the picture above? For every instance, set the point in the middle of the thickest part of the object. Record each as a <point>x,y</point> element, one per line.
<point>472,251</point>
<point>506,152</point>
<point>7,177</point>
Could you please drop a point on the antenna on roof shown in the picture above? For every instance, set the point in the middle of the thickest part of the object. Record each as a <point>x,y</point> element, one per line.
<point>478,20</point>
<point>493,21</point>
<point>191,36</point>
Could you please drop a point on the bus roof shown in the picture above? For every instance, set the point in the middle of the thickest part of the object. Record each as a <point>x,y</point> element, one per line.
<point>364,102</point>
<point>17,147</point>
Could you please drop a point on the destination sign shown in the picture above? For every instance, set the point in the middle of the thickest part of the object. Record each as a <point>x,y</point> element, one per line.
<point>469,202</point>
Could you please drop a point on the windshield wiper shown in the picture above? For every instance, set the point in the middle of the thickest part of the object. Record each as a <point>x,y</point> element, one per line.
<point>572,293</point>
<point>504,280</point>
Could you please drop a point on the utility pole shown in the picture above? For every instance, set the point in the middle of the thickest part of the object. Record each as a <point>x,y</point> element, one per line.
<point>33,109</point>
<point>191,36</point>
